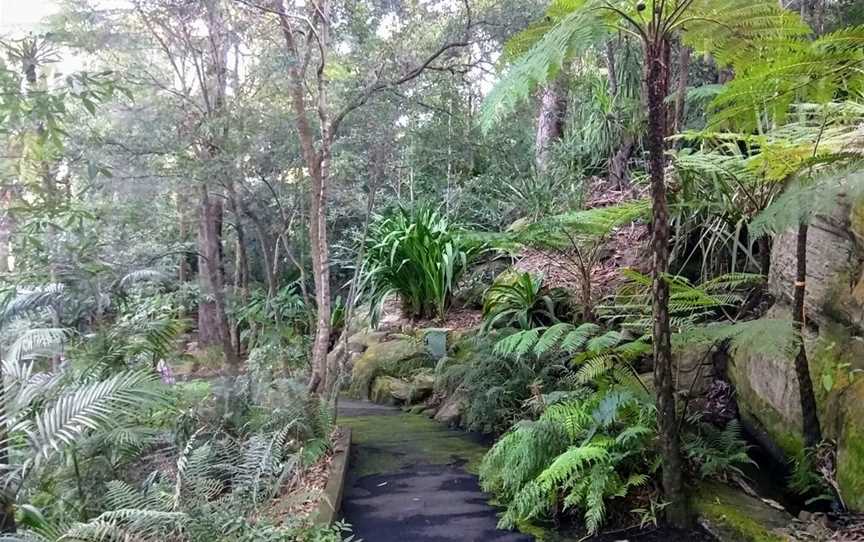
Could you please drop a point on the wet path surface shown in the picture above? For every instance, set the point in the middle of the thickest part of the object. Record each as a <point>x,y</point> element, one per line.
<point>410,480</point>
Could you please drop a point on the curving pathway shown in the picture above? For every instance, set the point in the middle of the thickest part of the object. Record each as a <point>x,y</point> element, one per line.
<point>410,479</point>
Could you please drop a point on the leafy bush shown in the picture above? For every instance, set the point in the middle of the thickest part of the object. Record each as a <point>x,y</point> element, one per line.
<point>521,302</point>
<point>716,452</point>
<point>580,455</point>
<point>689,304</point>
<point>418,255</point>
<point>225,475</point>
<point>597,354</point>
<point>499,387</point>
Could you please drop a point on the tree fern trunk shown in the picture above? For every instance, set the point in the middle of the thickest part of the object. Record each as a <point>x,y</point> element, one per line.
<point>812,429</point>
<point>657,83</point>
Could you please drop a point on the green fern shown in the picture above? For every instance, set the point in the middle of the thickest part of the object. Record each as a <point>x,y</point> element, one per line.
<point>579,454</point>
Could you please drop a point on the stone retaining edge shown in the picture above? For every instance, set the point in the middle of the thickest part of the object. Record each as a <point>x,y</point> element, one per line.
<point>331,500</point>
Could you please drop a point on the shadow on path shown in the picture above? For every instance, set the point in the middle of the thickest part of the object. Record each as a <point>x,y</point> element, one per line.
<point>411,479</point>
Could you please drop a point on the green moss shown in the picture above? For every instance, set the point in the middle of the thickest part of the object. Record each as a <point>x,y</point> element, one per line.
<point>737,517</point>
<point>759,413</point>
<point>850,469</point>
<point>376,358</point>
<point>850,453</point>
<point>386,444</point>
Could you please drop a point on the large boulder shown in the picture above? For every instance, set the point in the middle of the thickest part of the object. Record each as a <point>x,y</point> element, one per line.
<point>378,356</point>
<point>732,515</point>
<point>422,386</point>
<point>388,390</point>
<point>766,384</point>
<point>835,247</point>
<point>451,411</point>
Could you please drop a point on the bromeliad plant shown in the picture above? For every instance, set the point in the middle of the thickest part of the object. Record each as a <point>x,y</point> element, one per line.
<point>418,255</point>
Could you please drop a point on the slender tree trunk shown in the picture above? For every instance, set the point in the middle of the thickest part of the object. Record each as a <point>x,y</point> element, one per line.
<point>657,83</point>
<point>7,502</point>
<point>7,226</point>
<point>684,55</point>
<point>241,263</point>
<point>318,164</point>
<point>550,122</point>
<point>619,161</point>
<point>183,270</point>
<point>812,429</point>
<point>765,254</point>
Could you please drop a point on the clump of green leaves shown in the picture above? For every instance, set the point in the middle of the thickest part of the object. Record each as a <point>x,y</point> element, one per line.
<point>520,301</point>
<point>579,455</point>
<point>418,255</point>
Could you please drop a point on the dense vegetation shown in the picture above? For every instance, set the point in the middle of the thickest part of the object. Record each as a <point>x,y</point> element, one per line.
<point>203,202</point>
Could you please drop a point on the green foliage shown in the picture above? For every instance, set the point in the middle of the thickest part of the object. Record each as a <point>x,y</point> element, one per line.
<point>581,455</point>
<point>806,480</point>
<point>519,301</point>
<point>596,354</point>
<point>576,30</point>
<point>689,304</point>
<point>418,255</point>
<point>499,387</point>
<point>717,453</point>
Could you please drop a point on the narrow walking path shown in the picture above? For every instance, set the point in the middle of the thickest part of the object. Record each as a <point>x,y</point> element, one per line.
<point>410,479</point>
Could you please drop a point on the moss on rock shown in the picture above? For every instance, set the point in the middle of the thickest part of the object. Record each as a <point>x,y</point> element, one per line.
<point>379,359</point>
<point>734,516</point>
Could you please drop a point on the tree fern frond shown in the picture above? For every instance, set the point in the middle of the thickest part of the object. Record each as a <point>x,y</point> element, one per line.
<point>578,30</point>
<point>577,338</point>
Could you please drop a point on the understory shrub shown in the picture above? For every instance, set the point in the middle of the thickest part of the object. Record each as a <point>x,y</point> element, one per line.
<point>581,454</point>
<point>519,300</point>
<point>499,387</point>
<point>418,255</point>
<point>591,451</point>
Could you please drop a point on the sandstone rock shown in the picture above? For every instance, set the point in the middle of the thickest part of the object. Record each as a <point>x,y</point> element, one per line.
<point>450,412</point>
<point>379,354</point>
<point>422,387</point>
<point>390,391</point>
<point>730,514</point>
<point>769,402</point>
<point>834,289</point>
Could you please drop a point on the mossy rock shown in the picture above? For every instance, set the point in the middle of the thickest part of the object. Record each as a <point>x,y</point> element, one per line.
<point>380,358</point>
<point>422,386</point>
<point>733,516</point>
<point>388,390</point>
<point>767,391</point>
<point>850,447</point>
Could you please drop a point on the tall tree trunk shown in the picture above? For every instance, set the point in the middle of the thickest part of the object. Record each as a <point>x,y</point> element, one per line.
<point>213,327</point>
<point>183,268</point>
<point>318,164</point>
<point>684,54</point>
<point>550,122</point>
<point>7,226</point>
<point>657,83</point>
<point>619,161</point>
<point>812,429</point>
<point>241,263</point>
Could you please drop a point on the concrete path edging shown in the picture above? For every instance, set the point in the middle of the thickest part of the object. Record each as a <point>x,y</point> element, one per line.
<point>331,500</point>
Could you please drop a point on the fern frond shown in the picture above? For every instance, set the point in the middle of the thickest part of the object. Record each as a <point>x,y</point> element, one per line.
<point>577,30</point>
